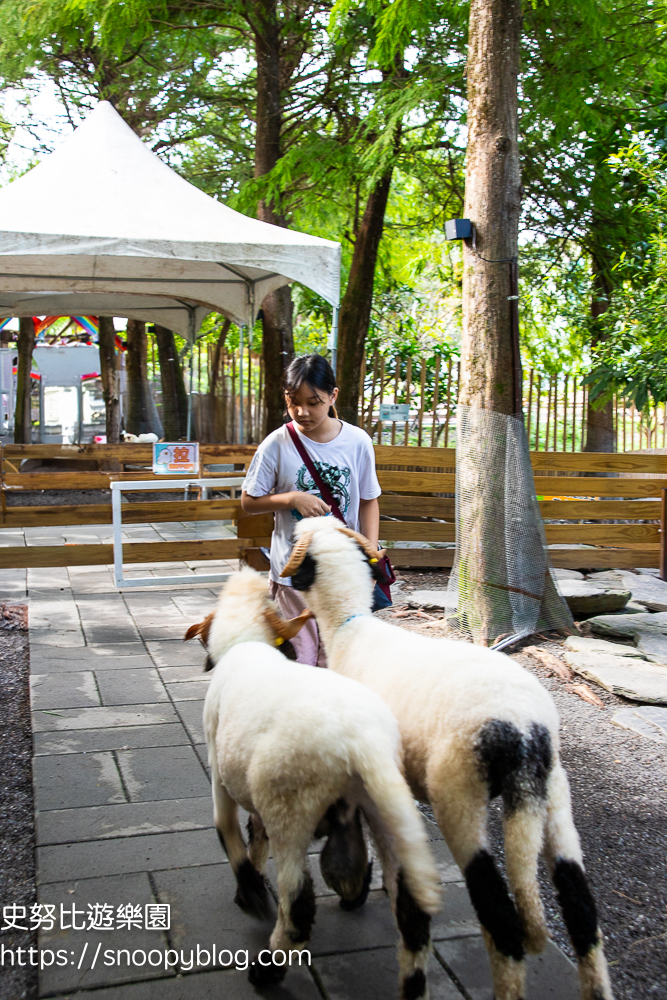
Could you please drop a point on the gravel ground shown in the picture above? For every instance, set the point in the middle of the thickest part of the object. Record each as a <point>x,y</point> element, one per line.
<point>619,798</point>
<point>17,835</point>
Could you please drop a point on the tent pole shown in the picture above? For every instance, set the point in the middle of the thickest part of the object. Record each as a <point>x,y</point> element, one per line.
<point>241,384</point>
<point>334,339</point>
<point>191,324</point>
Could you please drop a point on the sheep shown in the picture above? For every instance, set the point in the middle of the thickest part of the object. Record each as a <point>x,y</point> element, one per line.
<point>302,751</point>
<point>474,725</point>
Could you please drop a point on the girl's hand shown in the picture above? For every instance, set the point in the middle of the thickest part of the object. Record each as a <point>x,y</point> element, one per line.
<point>308,505</point>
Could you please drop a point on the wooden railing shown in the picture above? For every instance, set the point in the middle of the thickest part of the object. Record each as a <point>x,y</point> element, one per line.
<point>412,506</point>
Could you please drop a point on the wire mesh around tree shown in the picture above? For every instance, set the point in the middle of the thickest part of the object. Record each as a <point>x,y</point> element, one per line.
<point>501,577</point>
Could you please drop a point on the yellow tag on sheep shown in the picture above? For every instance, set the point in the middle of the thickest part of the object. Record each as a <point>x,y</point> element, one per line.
<point>373,560</point>
<point>279,641</point>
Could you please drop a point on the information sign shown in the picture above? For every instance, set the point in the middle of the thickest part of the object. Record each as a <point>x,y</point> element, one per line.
<point>176,458</point>
<point>394,412</point>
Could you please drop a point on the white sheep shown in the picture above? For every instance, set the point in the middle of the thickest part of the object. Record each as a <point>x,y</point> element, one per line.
<point>473,725</point>
<point>294,747</point>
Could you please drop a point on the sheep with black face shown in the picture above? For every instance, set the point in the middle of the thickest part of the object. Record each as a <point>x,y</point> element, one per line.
<point>474,725</point>
<point>303,751</point>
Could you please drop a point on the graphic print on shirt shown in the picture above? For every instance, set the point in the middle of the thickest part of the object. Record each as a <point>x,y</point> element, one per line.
<point>338,481</point>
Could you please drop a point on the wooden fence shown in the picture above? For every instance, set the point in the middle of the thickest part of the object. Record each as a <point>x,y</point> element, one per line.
<point>617,511</point>
<point>555,406</point>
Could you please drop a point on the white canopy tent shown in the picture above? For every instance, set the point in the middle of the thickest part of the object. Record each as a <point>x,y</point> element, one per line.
<point>103,226</point>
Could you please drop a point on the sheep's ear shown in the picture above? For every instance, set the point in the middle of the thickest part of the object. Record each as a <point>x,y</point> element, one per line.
<point>201,629</point>
<point>304,577</point>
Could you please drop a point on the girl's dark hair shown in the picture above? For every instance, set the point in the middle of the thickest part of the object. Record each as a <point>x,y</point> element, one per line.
<point>315,371</point>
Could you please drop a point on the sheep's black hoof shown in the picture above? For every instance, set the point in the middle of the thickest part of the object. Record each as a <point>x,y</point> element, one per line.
<point>354,904</point>
<point>269,974</point>
<point>252,894</point>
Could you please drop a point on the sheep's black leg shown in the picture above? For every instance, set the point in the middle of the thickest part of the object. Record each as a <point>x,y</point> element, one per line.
<point>415,929</point>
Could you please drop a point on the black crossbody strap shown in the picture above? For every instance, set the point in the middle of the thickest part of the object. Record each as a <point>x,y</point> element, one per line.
<point>325,492</point>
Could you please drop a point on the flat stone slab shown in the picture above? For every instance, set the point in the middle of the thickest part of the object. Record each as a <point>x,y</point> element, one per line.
<point>567,574</point>
<point>369,975</point>
<point>121,855</point>
<point>622,675</point>
<point>230,984</point>
<point>152,774</point>
<point>648,632</point>
<point>127,819</point>
<point>75,689</point>
<point>549,976</point>
<point>87,740</point>
<point>648,721</point>
<point>131,687</point>
<point>81,893</point>
<point>586,644</point>
<point>104,718</point>
<point>646,590</point>
<point>584,598</point>
<point>435,599</point>
<point>76,780</point>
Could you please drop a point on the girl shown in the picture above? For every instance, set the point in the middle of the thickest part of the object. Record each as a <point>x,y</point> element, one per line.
<point>279,481</point>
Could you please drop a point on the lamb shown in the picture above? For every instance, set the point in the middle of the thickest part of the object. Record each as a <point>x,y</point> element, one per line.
<point>299,749</point>
<point>474,725</point>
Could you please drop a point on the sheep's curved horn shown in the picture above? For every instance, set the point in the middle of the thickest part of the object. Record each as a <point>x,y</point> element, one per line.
<point>364,542</point>
<point>298,554</point>
<point>201,629</point>
<point>286,628</point>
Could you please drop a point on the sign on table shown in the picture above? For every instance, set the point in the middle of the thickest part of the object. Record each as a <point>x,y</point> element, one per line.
<point>176,458</point>
<point>394,412</point>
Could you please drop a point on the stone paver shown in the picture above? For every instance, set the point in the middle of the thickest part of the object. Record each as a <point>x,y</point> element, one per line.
<point>374,974</point>
<point>127,854</point>
<point>119,738</point>
<point>218,985</point>
<point>551,976</point>
<point>124,812</point>
<point>648,721</point>
<point>75,689</point>
<point>103,718</point>
<point>70,780</point>
<point>157,773</point>
<point>622,675</point>
<point>80,893</point>
<point>127,819</point>
<point>190,713</point>
<point>131,687</point>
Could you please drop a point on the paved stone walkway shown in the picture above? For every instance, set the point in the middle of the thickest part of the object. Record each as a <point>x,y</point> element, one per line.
<point>124,817</point>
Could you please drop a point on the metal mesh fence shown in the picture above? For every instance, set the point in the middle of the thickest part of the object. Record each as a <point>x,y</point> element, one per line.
<point>501,580</point>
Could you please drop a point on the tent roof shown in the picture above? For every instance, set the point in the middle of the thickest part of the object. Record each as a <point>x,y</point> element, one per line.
<point>103,214</point>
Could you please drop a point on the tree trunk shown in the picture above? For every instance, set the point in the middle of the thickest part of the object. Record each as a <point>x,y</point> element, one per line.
<point>600,433</point>
<point>355,309</point>
<point>110,387</point>
<point>277,335</point>
<point>209,404</point>
<point>174,396</point>
<point>22,412</point>
<point>492,202</point>
<point>141,416</point>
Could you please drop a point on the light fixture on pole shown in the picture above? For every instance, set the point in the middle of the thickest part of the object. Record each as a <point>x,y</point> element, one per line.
<point>464,229</point>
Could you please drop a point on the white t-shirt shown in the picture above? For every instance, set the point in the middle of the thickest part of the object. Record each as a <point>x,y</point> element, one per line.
<point>346,464</point>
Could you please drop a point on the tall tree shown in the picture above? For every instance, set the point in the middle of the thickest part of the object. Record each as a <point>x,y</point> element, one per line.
<point>141,416</point>
<point>22,412</point>
<point>174,395</point>
<point>110,381</point>
<point>493,203</point>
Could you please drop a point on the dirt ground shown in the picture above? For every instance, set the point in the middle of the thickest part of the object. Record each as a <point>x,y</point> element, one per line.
<point>17,836</point>
<point>619,797</point>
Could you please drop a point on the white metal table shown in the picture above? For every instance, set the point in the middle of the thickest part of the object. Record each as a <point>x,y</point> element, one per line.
<point>182,482</point>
